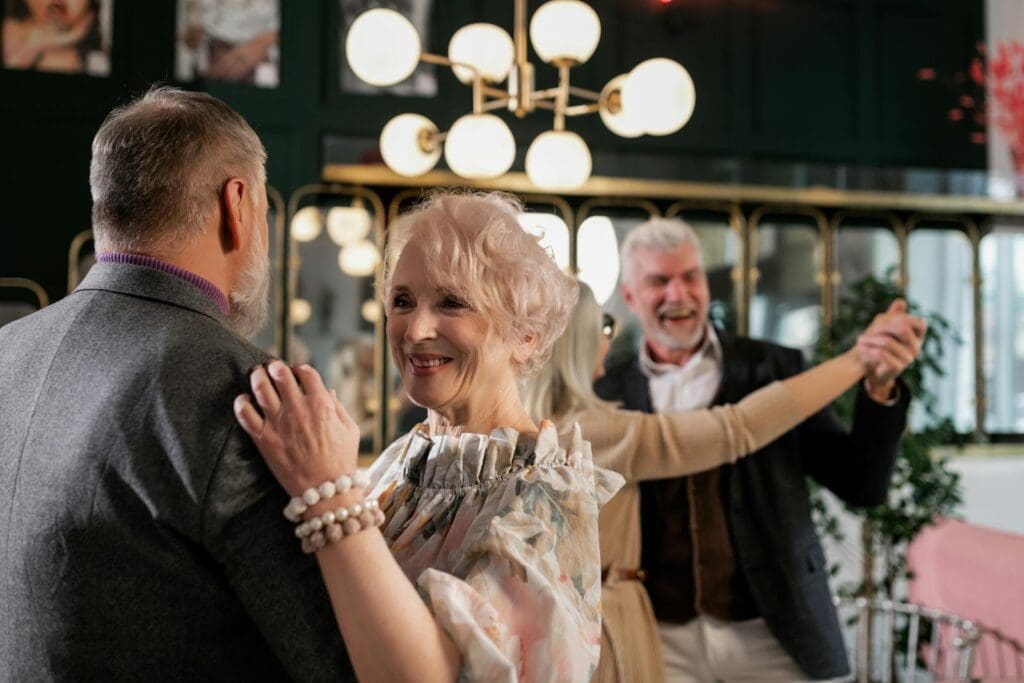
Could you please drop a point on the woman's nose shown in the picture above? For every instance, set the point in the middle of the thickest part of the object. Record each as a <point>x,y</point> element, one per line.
<point>422,325</point>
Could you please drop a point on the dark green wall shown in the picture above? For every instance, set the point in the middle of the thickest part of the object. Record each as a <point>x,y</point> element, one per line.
<point>817,81</point>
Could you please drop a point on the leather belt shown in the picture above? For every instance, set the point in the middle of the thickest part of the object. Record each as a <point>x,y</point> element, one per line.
<point>618,574</point>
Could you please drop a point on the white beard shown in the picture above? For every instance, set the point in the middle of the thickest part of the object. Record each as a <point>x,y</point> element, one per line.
<point>250,303</point>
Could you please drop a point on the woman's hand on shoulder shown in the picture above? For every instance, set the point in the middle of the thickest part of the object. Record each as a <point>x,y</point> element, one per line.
<point>300,428</point>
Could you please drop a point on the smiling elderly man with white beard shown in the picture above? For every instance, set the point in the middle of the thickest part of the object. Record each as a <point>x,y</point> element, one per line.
<point>736,573</point>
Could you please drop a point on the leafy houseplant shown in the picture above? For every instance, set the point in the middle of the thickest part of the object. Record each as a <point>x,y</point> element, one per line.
<point>923,487</point>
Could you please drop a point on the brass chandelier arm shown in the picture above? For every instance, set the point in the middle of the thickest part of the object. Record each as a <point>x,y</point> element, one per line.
<point>584,93</point>
<point>582,109</point>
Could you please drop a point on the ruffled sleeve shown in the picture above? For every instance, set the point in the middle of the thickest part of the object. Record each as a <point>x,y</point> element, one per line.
<point>522,601</point>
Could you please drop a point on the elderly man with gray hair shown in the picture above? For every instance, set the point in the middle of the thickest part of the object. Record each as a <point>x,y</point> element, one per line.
<point>140,532</point>
<point>736,573</point>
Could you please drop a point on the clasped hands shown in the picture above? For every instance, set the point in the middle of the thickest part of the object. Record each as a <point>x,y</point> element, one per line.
<point>889,344</point>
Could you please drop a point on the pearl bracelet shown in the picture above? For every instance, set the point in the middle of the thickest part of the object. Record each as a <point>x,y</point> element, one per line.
<point>298,505</point>
<point>333,526</point>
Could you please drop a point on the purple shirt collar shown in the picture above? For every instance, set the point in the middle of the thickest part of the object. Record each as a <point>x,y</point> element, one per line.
<point>204,285</point>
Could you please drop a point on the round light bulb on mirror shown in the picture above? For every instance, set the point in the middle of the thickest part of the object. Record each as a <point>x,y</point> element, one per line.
<point>359,259</point>
<point>486,47</point>
<point>597,253</point>
<point>661,93</point>
<point>479,146</point>
<point>348,224</point>
<point>558,160</point>
<point>306,224</point>
<point>370,310</point>
<point>382,47</point>
<point>565,31</point>
<point>408,144</point>
<point>299,312</point>
<point>619,120</point>
<point>553,234</point>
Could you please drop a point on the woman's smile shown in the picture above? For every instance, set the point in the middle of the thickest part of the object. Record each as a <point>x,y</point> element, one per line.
<point>426,364</point>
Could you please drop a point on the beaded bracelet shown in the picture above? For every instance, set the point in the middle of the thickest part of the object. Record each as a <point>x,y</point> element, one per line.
<point>333,526</point>
<point>298,505</point>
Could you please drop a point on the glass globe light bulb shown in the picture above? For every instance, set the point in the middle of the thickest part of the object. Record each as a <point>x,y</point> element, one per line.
<point>479,146</point>
<point>565,30</point>
<point>359,259</point>
<point>382,47</point>
<point>306,224</point>
<point>348,224</point>
<point>370,310</point>
<point>661,93</point>
<point>299,312</point>
<point>619,120</point>
<point>558,160</point>
<point>407,144</point>
<point>487,47</point>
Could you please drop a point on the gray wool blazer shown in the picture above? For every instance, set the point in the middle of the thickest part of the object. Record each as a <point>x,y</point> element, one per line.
<point>141,535</point>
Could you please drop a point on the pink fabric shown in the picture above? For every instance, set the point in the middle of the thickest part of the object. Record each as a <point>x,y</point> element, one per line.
<point>973,572</point>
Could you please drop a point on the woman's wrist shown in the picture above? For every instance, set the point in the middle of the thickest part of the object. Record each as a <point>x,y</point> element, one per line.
<point>325,491</point>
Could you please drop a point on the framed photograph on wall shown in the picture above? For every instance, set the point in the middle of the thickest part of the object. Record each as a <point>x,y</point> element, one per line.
<point>59,36</point>
<point>423,81</point>
<point>233,41</point>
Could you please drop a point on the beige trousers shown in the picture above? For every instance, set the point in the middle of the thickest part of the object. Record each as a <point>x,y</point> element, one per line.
<point>707,650</point>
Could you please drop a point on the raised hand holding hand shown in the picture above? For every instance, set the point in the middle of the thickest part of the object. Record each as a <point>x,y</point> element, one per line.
<point>890,343</point>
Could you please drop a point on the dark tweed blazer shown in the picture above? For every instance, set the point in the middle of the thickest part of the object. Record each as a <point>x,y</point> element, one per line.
<point>777,548</point>
<point>141,535</point>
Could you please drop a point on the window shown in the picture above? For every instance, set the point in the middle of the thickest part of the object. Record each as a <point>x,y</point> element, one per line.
<point>939,274</point>
<point>1002,303</point>
<point>863,251</point>
<point>786,306</point>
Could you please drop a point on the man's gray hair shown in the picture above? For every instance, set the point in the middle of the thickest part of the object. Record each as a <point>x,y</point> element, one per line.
<point>659,234</point>
<point>159,165</point>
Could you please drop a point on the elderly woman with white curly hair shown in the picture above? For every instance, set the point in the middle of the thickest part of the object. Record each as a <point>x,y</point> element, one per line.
<point>473,552</point>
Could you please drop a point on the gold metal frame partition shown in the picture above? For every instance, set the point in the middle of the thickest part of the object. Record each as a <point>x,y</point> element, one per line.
<point>286,285</point>
<point>74,258</point>
<point>748,204</point>
<point>31,285</point>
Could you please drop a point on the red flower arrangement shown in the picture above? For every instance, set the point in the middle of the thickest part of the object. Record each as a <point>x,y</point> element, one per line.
<point>992,91</point>
<point>1003,81</point>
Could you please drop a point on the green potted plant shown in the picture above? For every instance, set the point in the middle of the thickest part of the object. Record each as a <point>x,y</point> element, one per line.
<point>924,488</point>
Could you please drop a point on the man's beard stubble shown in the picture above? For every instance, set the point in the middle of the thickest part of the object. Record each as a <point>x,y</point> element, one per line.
<point>250,303</point>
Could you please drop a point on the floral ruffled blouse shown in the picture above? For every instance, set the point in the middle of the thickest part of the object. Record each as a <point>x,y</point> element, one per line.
<point>499,533</point>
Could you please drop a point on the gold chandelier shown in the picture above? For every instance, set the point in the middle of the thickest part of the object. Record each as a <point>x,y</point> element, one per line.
<point>383,48</point>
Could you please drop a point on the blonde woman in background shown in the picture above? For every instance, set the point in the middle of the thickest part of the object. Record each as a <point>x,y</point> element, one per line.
<point>642,446</point>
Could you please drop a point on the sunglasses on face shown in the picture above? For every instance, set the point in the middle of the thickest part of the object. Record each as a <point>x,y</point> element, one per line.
<point>608,326</point>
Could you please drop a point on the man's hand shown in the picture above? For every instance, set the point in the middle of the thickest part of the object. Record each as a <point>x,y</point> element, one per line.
<point>888,346</point>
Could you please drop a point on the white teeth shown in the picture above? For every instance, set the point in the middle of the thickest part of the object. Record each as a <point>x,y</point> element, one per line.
<point>433,363</point>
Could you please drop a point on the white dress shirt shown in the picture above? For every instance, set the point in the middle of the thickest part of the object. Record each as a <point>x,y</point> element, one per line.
<point>690,386</point>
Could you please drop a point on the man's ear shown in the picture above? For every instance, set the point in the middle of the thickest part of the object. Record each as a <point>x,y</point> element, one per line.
<point>627,294</point>
<point>232,205</point>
